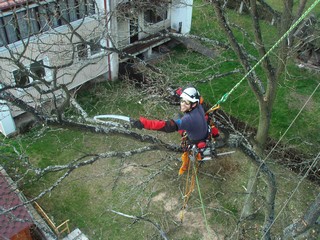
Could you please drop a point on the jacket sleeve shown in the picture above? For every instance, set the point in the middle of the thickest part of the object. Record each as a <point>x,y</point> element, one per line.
<point>159,125</point>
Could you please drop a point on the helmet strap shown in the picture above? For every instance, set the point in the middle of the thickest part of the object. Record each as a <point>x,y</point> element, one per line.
<point>193,106</point>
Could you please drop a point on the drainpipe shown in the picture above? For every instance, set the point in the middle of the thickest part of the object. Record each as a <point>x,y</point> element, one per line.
<point>108,45</point>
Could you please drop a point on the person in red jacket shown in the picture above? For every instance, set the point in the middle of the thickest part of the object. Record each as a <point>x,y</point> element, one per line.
<point>193,123</point>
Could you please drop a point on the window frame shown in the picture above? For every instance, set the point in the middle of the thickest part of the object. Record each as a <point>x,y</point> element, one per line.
<point>155,15</point>
<point>88,50</point>
<point>47,72</point>
<point>82,51</point>
<point>96,53</point>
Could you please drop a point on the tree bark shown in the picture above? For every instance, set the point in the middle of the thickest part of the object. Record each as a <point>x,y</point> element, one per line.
<point>306,222</point>
<point>265,102</point>
<point>251,190</point>
<point>265,108</point>
<point>270,195</point>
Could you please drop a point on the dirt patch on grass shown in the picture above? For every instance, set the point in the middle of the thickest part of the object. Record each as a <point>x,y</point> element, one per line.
<point>169,203</point>
<point>159,197</point>
<point>297,101</point>
<point>195,222</point>
<point>128,169</point>
<point>192,220</point>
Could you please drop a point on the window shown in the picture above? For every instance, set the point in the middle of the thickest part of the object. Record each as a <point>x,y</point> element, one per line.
<point>134,30</point>
<point>90,50</point>
<point>53,15</point>
<point>72,10</point>
<point>155,15</point>
<point>90,5</point>
<point>36,70</point>
<point>21,78</point>
<point>35,18</point>
<point>95,47</point>
<point>34,28</point>
<point>10,29</point>
<point>82,50</point>
<point>42,18</point>
<point>3,35</point>
<point>23,27</point>
<point>64,12</point>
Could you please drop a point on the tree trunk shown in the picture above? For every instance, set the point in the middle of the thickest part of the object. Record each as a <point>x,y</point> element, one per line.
<point>251,191</point>
<point>267,99</point>
<point>306,222</point>
<point>270,195</point>
<point>263,127</point>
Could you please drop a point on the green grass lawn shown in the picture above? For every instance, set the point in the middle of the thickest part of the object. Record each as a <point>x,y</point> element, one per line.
<point>131,185</point>
<point>148,185</point>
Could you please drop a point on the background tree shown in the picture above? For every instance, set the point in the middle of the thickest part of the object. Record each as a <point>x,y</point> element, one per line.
<point>264,90</point>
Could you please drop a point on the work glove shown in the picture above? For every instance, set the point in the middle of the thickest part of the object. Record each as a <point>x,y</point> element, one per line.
<point>136,123</point>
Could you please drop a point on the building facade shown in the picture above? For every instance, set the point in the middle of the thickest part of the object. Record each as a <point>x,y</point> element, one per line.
<point>49,46</point>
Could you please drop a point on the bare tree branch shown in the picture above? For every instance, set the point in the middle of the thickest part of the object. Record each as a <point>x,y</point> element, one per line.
<point>138,218</point>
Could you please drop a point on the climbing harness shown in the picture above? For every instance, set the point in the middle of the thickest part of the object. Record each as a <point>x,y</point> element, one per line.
<point>198,153</point>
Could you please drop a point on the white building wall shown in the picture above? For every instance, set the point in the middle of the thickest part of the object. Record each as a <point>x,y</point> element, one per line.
<point>123,32</point>
<point>102,64</point>
<point>59,54</point>
<point>181,12</point>
<point>112,27</point>
<point>101,4</point>
<point>152,28</point>
<point>7,125</point>
<point>106,9</point>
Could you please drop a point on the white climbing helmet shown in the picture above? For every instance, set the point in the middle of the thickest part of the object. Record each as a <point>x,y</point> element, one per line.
<point>190,94</point>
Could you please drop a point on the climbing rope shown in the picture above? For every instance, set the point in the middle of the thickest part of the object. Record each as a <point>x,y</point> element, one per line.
<point>226,95</point>
<point>202,205</point>
<point>190,183</point>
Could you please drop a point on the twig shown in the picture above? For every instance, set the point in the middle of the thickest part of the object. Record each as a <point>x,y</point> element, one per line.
<point>137,218</point>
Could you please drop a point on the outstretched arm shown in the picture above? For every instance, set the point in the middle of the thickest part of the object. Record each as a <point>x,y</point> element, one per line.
<point>158,125</point>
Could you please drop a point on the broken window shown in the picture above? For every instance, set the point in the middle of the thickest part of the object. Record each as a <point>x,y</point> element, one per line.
<point>21,77</point>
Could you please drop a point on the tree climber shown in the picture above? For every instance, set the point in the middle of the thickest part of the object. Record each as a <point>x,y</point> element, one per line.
<point>192,125</point>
